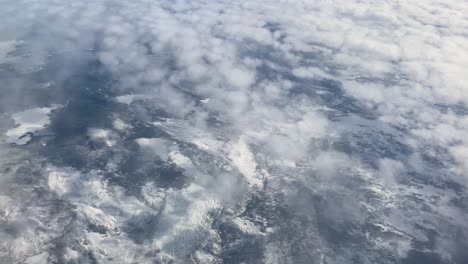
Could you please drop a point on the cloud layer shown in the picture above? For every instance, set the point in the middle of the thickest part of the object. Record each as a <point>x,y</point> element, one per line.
<point>229,132</point>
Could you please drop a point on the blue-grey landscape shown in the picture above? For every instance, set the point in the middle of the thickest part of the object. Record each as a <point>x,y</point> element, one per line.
<point>243,131</point>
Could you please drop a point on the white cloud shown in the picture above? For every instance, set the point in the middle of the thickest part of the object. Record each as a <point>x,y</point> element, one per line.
<point>404,62</point>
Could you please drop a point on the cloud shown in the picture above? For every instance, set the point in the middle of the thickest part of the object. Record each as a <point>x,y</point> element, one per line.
<point>351,111</point>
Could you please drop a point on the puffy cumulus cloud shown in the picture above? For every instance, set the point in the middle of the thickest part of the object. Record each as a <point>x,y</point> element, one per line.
<point>207,132</point>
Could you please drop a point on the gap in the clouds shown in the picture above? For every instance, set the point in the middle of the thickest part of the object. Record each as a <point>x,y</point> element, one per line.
<point>459,109</point>
<point>143,227</point>
<point>87,93</point>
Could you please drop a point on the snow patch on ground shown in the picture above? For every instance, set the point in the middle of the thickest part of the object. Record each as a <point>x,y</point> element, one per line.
<point>130,98</point>
<point>244,160</point>
<point>38,259</point>
<point>103,135</point>
<point>26,123</point>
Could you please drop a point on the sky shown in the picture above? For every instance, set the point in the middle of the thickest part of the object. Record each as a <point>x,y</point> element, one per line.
<point>308,131</point>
